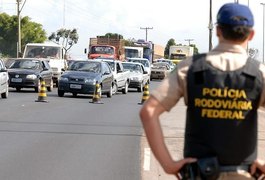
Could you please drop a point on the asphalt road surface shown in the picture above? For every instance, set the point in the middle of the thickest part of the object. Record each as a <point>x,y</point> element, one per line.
<point>70,138</point>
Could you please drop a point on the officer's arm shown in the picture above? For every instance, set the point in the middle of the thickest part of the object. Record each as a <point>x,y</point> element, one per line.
<point>149,115</point>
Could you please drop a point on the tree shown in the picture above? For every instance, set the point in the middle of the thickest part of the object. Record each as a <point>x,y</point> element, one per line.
<point>114,35</point>
<point>171,42</point>
<point>195,51</point>
<point>66,37</point>
<point>30,32</point>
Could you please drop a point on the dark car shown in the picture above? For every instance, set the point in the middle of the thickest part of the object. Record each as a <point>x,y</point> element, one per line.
<point>82,76</point>
<point>28,73</point>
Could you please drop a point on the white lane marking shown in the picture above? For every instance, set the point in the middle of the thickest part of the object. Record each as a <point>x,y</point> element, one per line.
<point>147,159</point>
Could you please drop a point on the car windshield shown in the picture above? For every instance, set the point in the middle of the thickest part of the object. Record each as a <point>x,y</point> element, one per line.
<point>160,66</point>
<point>144,62</point>
<point>85,66</point>
<point>102,50</point>
<point>111,64</point>
<point>25,64</point>
<point>42,52</point>
<point>167,61</point>
<point>132,67</point>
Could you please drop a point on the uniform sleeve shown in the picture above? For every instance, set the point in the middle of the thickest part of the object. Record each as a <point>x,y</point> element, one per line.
<point>173,87</point>
<point>262,98</point>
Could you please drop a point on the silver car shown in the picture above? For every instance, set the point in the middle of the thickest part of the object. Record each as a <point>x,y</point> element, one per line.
<point>138,75</point>
<point>3,80</point>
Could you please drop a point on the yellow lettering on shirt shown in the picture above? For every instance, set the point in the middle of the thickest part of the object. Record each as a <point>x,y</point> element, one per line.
<point>218,103</point>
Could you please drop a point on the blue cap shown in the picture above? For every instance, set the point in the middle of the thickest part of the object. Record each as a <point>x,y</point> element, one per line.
<point>235,14</point>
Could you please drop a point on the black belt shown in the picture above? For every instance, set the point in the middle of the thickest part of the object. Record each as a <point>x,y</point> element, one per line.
<point>234,168</point>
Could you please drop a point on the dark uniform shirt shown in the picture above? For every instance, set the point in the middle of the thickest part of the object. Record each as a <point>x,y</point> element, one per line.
<point>225,58</point>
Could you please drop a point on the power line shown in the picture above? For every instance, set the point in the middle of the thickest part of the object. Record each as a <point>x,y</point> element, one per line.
<point>146,31</point>
<point>189,40</point>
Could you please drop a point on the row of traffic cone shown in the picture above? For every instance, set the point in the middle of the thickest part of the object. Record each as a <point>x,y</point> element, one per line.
<point>42,96</point>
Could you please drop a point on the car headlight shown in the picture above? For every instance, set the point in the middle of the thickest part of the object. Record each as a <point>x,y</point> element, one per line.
<point>90,81</point>
<point>31,76</point>
<point>63,79</point>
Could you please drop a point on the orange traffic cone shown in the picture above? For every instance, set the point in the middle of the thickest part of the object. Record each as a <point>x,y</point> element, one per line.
<point>145,94</point>
<point>42,92</point>
<point>96,96</point>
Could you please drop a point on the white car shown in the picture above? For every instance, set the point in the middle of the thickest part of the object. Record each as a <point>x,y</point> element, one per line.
<point>138,76</point>
<point>145,62</point>
<point>4,78</point>
<point>171,64</point>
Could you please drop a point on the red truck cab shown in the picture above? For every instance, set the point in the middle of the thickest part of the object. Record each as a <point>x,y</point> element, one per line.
<point>103,51</point>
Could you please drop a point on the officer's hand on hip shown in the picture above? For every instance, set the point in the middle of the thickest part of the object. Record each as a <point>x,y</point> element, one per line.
<point>257,167</point>
<point>176,167</point>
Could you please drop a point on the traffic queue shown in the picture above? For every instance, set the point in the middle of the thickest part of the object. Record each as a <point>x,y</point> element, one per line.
<point>81,76</point>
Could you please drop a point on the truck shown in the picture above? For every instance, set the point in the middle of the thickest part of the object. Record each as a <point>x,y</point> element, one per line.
<point>121,76</point>
<point>148,49</point>
<point>52,52</point>
<point>105,47</point>
<point>114,48</point>
<point>133,52</point>
<point>178,53</point>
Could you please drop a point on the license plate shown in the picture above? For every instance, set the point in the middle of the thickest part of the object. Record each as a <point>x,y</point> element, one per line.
<point>16,80</point>
<point>75,86</point>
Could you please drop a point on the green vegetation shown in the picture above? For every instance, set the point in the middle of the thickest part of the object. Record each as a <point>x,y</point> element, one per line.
<point>31,32</point>
<point>66,37</point>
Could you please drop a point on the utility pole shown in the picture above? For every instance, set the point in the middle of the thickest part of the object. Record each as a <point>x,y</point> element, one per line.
<point>210,27</point>
<point>146,29</point>
<point>63,13</point>
<point>263,4</point>
<point>189,40</point>
<point>19,26</point>
<point>19,29</point>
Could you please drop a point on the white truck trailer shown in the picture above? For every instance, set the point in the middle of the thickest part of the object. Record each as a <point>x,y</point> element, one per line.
<point>178,53</point>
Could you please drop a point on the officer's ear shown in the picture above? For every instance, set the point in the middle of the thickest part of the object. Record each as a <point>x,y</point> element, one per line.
<point>218,31</point>
<point>251,35</point>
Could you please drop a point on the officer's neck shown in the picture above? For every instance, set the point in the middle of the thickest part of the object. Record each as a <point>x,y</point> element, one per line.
<point>244,44</point>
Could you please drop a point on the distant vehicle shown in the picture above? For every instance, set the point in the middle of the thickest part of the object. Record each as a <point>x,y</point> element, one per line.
<point>178,53</point>
<point>52,52</point>
<point>81,78</point>
<point>105,47</point>
<point>171,64</point>
<point>121,77</point>
<point>133,52</point>
<point>144,61</point>
<point>159,70</point>
<point>138,75</point>
<point>148,48</point>
<point>27,73</point>
<point>3,80</point>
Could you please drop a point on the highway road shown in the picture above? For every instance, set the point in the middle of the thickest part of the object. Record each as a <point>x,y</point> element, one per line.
<point>70,138</point>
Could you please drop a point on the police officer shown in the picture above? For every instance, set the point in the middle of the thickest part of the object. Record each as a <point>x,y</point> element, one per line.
<point>222,90</point>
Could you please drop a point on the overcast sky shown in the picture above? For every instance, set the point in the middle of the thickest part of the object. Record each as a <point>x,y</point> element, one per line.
<point>180,20</point>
